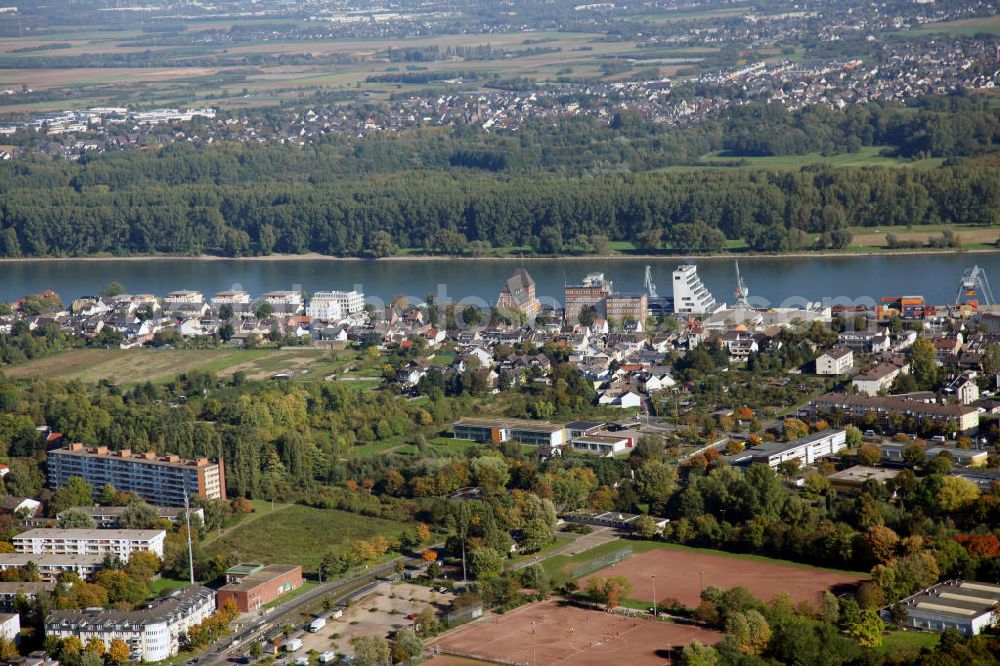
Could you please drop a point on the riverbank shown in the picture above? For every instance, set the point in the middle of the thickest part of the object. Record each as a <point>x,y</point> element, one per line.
<point>617,256</point>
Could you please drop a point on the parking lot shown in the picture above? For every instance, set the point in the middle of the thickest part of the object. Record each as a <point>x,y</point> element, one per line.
<point>382,611</point>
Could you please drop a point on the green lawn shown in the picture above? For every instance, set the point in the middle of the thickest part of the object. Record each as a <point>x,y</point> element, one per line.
<point>910,641</point>
<point>164,583</point>
<point>300,535</point>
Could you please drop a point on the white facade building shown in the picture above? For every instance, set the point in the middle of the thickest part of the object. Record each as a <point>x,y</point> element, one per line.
<point>690,294</point>
<point>837,361</point>
<point>806,450</point>
<point>10,626</point>
<point>185,296</point>
<point>350,302</point>
<point>325,306</point>
<point>120,543</point>
<point>152,633</point>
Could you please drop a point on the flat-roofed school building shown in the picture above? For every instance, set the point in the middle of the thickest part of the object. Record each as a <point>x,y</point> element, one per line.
<point>503,430</point>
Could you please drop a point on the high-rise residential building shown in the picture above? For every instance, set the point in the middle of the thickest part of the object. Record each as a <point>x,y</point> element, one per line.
<point>160,480</point>
<point>152,633</point>
<point>690,294</point>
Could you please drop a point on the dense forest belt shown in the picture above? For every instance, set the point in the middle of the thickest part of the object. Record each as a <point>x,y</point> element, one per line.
<point>441,211</point>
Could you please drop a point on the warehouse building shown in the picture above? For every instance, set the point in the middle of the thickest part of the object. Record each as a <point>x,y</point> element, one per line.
<point>967,606</point>
<point>253,586</point>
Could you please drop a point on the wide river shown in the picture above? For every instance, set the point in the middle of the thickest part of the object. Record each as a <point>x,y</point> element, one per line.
<point>772,281</point>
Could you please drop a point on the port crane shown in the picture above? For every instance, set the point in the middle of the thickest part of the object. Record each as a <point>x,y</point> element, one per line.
<point>973,280</point>
<point>649,285</point>
<point>742,291</point>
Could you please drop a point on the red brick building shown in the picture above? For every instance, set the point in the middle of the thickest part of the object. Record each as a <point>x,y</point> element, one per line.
<point>253,586</point>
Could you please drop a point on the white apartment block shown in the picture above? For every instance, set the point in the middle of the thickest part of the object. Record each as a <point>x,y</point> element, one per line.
<point>10,626</point>
<point>119,543</point>
<point>152,633</point>
<point>690,294</point>
<point>50,566</point>
<point>350,302</point>
<point>324,305</point>
<point>837,361</point>
<point>282,297</point>
<point>231,298</point>
<point>184,296</point>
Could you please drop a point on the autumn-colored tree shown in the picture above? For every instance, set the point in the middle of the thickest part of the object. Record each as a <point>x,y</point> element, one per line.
<point>118,652</point>
<point>241,505</point>
<point>423,532</point>
<point>8,650</point>
<point>95,646</point>
<point>869,454</point>
<point>792,428</point>
<point>71,645</point>
<point>394,483</point>
<point>881,542</point>
<point>609,591</point>
<point>429,555</point>
<point>980,545</point>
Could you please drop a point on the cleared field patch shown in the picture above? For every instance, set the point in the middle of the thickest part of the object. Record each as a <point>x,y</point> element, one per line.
<point>867,156</point>
<point>299,535</point>
<point>680,573</point>
<point>972,26</point>
<point>41,79</point>
<point>549,633</point>
<point>156,365</point>
<point>968,235</point>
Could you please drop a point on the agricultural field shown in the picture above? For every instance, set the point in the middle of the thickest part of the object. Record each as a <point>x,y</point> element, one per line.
<point>681,574</point>
<point>550,633</point>
<point>298,534</point>
<point>160,365</point>
<point>229,85</point>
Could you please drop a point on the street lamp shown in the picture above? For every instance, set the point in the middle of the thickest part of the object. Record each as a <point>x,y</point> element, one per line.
<point>701,577</point>
<point>653,576</point>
